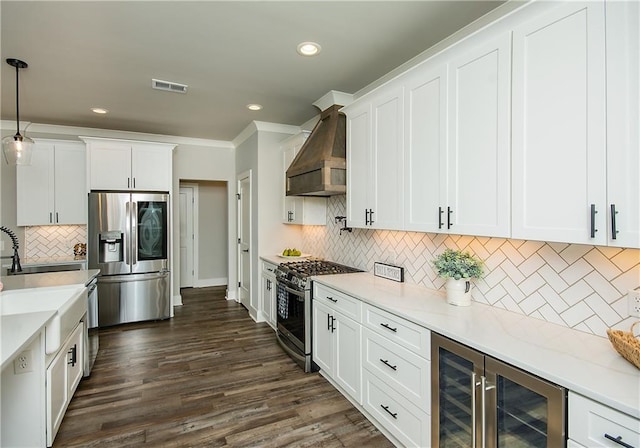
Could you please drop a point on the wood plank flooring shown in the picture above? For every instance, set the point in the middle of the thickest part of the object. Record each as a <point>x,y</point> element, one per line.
<point>209,377</point>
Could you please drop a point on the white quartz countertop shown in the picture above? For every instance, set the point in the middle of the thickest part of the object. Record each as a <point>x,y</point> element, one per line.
<point>18,331</point>
<point>63,278</point>
<point>584,363</point>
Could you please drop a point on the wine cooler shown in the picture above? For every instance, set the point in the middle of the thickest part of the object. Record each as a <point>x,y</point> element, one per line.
<point>478,401</point>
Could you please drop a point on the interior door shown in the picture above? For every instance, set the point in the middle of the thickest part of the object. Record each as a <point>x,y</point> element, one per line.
<point>186,237</point>
<point>244,238</point>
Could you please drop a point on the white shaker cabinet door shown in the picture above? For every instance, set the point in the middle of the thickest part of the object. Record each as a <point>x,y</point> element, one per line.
<point>479,150</point>
<point>323,344</point>
<point>70,184</point>
<point>559,165</point>
<point>358,163</point>
<point>348,364</point>
<point>425,160</point>
<point>387,157</point>
<point>35,187</point>
<point>150,167</point>
<point>110,165</point>
<point>623,123</point>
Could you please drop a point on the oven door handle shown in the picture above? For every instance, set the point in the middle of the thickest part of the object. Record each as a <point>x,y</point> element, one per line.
<point>292,291</point>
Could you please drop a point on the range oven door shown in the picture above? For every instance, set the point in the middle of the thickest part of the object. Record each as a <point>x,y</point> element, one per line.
<point>293,317</point>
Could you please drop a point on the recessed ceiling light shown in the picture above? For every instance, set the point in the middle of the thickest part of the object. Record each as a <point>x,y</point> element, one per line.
<point>100,110</point>
<point>254,106</point>
<point>309,48</point>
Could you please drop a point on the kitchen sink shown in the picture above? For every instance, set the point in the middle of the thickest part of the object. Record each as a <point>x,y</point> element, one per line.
<point>69,302</point>
<point>39,269</point>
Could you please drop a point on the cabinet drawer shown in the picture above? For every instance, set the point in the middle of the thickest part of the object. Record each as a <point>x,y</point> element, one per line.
<point>268,269</point>
<point>403,370</point>
<point>410,425</point>
<point>590,422</point>
<point>347,305</point>
<point>407,334</point>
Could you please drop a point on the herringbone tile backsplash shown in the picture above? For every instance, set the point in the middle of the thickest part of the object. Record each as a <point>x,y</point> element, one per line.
<point>578,286</point>
<point>52,241</point>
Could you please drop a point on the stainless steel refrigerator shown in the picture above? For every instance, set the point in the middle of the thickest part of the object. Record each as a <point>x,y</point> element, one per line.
<point>128,240</point>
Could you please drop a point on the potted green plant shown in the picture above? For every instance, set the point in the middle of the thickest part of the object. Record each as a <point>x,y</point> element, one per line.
<point>458,267</point>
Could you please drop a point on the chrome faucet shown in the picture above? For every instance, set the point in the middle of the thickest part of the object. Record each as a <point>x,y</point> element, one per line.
<point>15,264</point>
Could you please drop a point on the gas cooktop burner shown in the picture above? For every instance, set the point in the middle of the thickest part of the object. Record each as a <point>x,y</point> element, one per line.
<point>317,267</point>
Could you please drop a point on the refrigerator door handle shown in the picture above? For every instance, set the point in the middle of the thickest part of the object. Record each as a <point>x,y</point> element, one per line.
<point>127,233</point>
<point>133,216</point>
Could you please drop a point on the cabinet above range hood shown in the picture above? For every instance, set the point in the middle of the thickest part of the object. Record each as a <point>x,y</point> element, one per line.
<point>320,168</point>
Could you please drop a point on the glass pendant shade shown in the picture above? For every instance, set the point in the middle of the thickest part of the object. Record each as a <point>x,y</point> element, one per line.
<point>17,149</point>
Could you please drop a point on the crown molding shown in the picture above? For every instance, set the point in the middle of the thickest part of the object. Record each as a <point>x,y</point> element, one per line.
<point>263,126</point>
<point>76,131</point>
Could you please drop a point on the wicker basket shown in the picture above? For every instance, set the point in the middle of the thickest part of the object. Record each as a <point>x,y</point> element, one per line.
<point>626,344</point>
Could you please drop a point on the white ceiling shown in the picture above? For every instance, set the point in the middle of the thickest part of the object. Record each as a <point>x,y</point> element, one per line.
<point>84,54</point>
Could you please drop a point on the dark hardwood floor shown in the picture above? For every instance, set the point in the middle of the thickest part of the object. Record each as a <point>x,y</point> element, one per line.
<point>209,377</point>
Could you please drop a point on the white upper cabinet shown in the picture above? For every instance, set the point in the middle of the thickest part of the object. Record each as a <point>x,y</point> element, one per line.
<point>559,160</point>
<point>300,209</point>
<point>52,189</point>
<point>375,160</point>
<point>479,149</point>
<point>129,165</point>
<point>623,123</point>
<point>425,163</point>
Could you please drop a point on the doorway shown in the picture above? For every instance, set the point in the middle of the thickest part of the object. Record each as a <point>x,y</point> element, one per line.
<point>244,239</point>
<point>187,237</point>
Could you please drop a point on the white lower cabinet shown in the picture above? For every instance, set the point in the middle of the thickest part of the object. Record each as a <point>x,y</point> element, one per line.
<point>268,291</point>
<point>336,348</point>
<point>62,378</point>
<point>593,425</point>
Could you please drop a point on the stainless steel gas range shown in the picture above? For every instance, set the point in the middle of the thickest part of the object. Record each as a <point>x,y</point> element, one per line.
<point>294,305</point>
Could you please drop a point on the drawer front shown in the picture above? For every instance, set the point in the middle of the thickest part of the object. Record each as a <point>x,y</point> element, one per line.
<point>404,371</point>
<point>407,334</point>
<point>347,305</point>
<point>410,425</point>
<point>591,422</point>
<point>269,269</point>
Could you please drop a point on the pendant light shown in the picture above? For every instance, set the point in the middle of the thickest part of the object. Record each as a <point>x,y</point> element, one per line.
<point>17,148</point>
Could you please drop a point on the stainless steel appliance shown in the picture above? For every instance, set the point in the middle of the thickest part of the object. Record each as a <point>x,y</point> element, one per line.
<point>91,341</point>
<point>128,240</point>
<point>293,302</point>
<point>479,401</point>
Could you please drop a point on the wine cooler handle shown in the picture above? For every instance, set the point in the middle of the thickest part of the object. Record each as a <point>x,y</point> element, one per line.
<point>617,440</point>
<point>473,408</point>
<point>483,392</point>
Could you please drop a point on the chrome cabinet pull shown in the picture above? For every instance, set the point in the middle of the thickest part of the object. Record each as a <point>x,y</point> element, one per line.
<point>332,299</point>
<point>440,212</point>
<point>392,414</point>
<point>449,212</point>
<point>389,328</point>
<point>593,220</point>
<point>614,231</point>
<point>617,440</point>
<point>386,363</point>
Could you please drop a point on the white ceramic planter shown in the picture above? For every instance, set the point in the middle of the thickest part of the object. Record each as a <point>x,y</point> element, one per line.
<point>458,292</point>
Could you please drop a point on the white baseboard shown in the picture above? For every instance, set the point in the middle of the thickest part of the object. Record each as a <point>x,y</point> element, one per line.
<point>205,282</point>
<point>232,294</point>
<point>177,300</point>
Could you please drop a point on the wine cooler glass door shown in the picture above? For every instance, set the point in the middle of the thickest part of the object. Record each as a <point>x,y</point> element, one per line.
<point>527,412</point>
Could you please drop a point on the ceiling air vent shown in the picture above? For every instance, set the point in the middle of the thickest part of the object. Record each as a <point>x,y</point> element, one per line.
<point>169,86</point>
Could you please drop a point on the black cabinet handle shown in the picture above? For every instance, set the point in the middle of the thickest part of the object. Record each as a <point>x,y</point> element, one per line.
<point>614,231</point>
<point>245,250</point>
<point>371,216</point>
<point>332,299</point>
<point>449,212</point>
<point>440,212</point>
<point>389,328</point>
<point>128,182</point>
<point>134,182</point>
<point>74,355</point>
<point>618,440</point>
<point>386,363</point>
<point>57,220</point>
<point>392,414</point>
<point>51,217</point>
<point>333,328</point>
<point>593,220</point>
<point>328,321</point>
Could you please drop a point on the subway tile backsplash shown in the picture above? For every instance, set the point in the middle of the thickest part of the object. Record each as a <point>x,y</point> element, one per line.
<point>578,286</point>
<point>45,242</point>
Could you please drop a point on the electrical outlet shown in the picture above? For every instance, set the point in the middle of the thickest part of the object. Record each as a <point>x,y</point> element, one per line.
<point>633,298</point>
<point>23,363</point>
